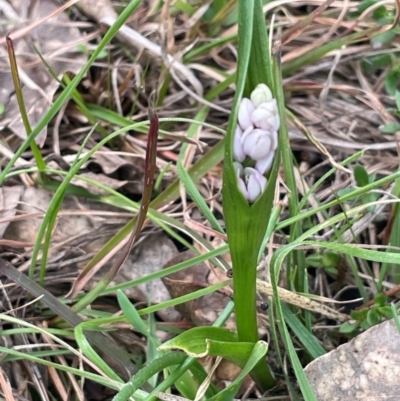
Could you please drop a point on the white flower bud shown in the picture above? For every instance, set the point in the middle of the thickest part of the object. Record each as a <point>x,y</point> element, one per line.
<point>252,185</point>
<point>257,143</point>
<point>266,116</point>
<point>261,94</point>
<point>238,169</point>
<point>246,109</point>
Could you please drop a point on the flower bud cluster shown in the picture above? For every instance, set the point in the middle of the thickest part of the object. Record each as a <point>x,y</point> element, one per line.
<point>256,138</point>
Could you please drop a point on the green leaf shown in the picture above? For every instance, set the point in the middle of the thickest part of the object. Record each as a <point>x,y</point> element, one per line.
<point>368,198</point>
<point>380,299</point>
<point>314,260</point>
<point>310,342</point>
<point>211,341</point>
<point>326,260</point>
<point>360,175</point>
<point>381,60</point>
<point>87,350</point>
<point>386,311</point>
<point>331,259</point>
<point>390,128</point>
<point>373,317</point>
<point>359,315</point>
<point>392,80</point>
<point>364,4</point>
<point>375,256</point>
<point>348,327</point>
<point>364,325</point>
<point>380,16</point>
<point>131,313</point>
<point>344,192</point>
<point>257,354</point>
<point>397,98</point>
<point>235,352</point>
<point>148,371</point>
<point>395,316</point>
<point>383,38</point>
<point>133,317</point>
<point>193,342</point>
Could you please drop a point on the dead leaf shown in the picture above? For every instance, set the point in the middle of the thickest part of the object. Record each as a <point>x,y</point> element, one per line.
<point>148,256</point>
<point>34,202</point>
<point>201,311</point>
<point>227,372</point>
<point>9,198</point>
<point>104,180</point>
<point>73,225</point>
<point>115,172</point>
<point>366,368</point>
<point>115,166</point>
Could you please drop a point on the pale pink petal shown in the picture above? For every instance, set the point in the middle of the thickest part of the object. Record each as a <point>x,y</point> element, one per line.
<point>264,165</point>
<point>246,108</point>
<point>274,140</point>
<point>253,188</point>
<point>256,143</point>
<point>243,189</point>
<point>238,153</point>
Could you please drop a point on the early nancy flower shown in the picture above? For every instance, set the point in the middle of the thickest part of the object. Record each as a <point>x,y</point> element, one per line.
<point>255,140</point>
<point>251,183</point>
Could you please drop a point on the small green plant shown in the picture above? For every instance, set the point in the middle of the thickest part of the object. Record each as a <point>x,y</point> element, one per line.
<point>393,127</point>
<point>367,317</point>
<point>329,261</point>
<point>362,179</point>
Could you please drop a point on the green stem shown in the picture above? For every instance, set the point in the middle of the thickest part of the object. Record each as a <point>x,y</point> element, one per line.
<point>244,279</point>
<point>165,361</point>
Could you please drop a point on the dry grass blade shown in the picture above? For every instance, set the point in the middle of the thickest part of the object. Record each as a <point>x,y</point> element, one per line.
<point>297,29</point>
<point>5,387</point>
<point>302,302</point>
